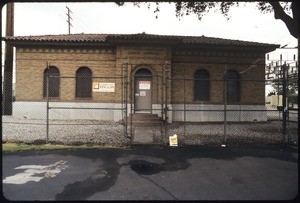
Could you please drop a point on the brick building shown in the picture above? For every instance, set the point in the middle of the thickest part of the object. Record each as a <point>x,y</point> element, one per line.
<point>80,59</point>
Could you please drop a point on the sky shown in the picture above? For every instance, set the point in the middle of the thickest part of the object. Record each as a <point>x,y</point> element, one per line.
<point>246,22</point>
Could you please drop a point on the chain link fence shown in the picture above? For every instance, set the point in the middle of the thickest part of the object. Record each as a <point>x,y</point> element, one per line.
<point>226,110</point>
<point>96,109</point>
<point>95,116</point>
<point>17,125</point>
<point>81,109</point>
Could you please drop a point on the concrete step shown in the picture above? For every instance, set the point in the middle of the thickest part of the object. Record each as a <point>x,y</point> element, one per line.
<point>144,116</point>
<point>143,119</point>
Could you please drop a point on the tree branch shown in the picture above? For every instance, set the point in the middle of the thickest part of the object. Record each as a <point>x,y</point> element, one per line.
<point>291,23</point>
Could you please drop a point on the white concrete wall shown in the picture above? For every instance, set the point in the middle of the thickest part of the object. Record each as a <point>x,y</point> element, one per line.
<point>30,110</point>
<point>156,109</point>
<point>37,110</point>
<point>194,115</point>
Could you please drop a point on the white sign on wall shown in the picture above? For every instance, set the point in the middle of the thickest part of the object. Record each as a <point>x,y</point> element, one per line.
<point>144,85</point>
<point>103,87</point>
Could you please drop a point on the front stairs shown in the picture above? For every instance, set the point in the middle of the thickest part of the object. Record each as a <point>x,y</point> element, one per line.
<point>144,120</point>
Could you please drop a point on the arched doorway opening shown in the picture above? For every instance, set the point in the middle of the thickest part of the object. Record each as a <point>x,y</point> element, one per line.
<point>143,91</point>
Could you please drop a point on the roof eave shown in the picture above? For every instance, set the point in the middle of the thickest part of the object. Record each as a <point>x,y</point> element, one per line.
<point>54,43</point>
<point>264,49</point>
<point>142,41</point>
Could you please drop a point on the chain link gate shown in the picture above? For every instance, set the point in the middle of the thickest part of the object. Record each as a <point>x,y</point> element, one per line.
<point>154,108</point>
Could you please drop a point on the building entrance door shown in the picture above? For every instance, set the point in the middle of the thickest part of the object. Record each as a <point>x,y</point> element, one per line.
<point>143,91</point>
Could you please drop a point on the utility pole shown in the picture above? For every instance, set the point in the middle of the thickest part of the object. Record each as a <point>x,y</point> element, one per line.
<point>69,19</point>
<point>8,63</point>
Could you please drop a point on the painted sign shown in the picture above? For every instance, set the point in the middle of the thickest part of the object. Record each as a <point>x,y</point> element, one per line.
<point>36,173</point>
<point>103,87</point>
<point>144,85</point>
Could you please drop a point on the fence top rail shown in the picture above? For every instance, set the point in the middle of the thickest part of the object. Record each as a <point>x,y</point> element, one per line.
<point>112,108</point>
<point>109,76</point>
<point>222,110</point>
<point>220,80</point>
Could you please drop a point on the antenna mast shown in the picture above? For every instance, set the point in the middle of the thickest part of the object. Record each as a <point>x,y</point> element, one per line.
<point>69,19</point>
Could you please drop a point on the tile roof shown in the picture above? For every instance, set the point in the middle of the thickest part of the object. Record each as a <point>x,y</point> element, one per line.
<point>60,38</point>
<point>110,38</point>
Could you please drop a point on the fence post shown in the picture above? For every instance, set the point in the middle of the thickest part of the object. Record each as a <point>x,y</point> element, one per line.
<point>166,97</point>
<point>290,139</point>
<point>284,103</point>
<point>47,96</point>
<point>225,104</point>
<point>125,97</point>
<point>132,79</point>
<point>161,79</point>
<point>122,77</point>
<point>184,101</point>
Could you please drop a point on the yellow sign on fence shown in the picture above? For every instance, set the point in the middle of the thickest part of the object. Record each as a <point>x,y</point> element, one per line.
<point>173,140</point>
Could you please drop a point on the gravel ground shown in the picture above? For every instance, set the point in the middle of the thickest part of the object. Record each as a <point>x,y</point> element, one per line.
<point>213,134</point>
<point>76,132</point>
<point>69,132</point>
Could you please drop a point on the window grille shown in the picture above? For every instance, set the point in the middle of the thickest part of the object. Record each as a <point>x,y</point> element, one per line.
<point>233,86</point>
<point>201,85</point>
<point>54,82</point>
<point>83,83</point>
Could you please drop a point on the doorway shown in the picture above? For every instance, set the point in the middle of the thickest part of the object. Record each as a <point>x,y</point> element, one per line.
<point>143,91</point>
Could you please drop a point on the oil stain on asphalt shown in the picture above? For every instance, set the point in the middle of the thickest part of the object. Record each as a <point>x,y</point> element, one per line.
<point>102,180</point>
<point>106,176</point>
<point>143,167</point>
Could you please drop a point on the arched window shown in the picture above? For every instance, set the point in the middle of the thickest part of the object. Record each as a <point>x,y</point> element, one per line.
<point>233,86</point>
<point>201,85</point>
<point>53,82</point>
<point>83,83</point>
<point>143,72</point>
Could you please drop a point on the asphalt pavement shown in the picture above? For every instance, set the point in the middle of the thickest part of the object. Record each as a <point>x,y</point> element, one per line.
<point>153,173</point>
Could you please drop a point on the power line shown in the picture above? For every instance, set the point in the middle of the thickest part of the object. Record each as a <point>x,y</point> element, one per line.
<point>76,22</point>
<point>58,10</point>
<point>82,24</point>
